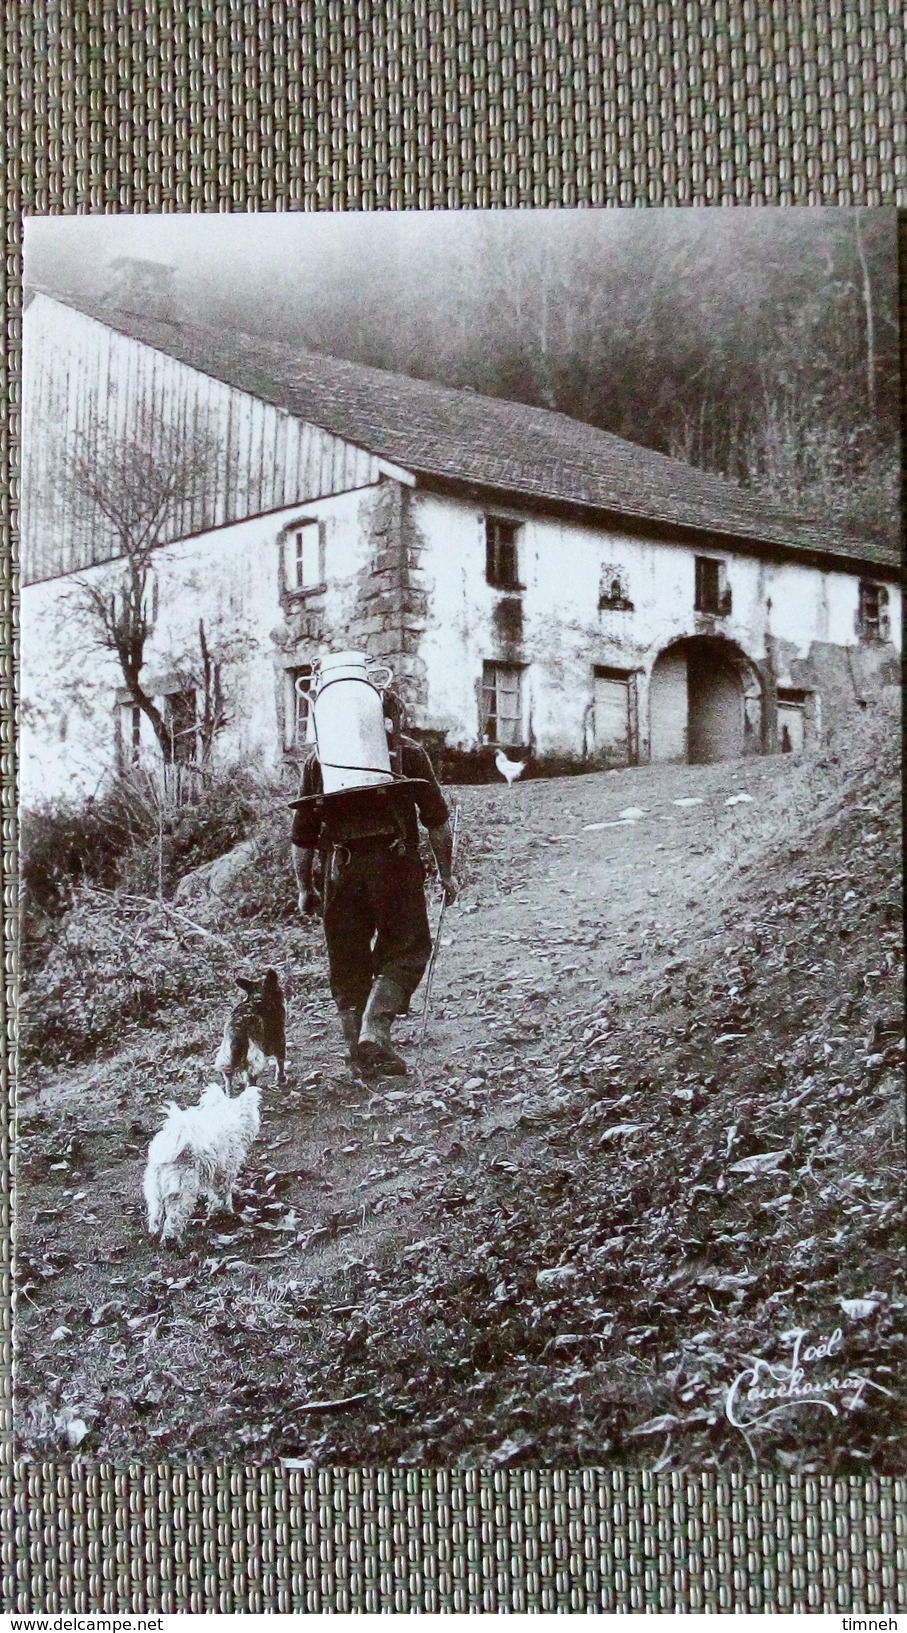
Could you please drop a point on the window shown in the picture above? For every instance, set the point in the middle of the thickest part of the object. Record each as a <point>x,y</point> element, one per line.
<point>298,684</point>
<point>502,704</point>
<point>302,557</point>
<point>501,566</point>
<point>713,593</point>
<point>873,623</point>
<point>182,725</point>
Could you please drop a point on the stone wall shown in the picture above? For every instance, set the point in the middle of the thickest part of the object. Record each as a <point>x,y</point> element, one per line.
<point>391,603</point>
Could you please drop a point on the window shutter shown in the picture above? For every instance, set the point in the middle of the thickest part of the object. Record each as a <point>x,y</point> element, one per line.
<point>289,559</point>
<point>490,557</point>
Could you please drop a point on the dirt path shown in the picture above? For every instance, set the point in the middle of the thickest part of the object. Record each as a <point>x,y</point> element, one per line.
<point>571,915</point>
<point>553,920</point>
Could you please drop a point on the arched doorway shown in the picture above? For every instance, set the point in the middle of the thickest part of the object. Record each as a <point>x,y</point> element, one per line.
<point>705,702</point>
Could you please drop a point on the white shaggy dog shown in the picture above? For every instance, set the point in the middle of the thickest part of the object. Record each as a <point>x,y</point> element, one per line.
<point>198,1153</point>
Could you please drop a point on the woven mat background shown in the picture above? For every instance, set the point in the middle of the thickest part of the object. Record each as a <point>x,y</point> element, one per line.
<point>147,105</point>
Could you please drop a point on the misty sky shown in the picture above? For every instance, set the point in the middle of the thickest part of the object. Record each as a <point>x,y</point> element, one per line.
<point>243,253</point>
<point>277,265</point>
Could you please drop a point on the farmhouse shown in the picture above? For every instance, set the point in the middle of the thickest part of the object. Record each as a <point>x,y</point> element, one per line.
<point>533,581</point>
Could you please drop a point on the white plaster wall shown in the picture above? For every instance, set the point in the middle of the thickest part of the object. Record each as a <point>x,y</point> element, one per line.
<point>230,578</point>
<point>565,635</point>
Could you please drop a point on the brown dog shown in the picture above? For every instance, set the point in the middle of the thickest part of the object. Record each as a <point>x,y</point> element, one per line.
<point>255,1030</point>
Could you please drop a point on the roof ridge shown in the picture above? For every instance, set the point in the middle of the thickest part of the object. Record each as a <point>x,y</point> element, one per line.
<point>103,313</point>
<point>498,444</point>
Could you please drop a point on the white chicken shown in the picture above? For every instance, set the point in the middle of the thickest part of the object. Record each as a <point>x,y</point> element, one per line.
<point>509,769</point>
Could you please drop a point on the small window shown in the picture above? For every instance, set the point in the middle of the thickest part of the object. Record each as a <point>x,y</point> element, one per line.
<point>501,564</point>
<point>502,704</point>
<point>180,714</point>
<point>873,620</point>
<point>713,593</point>
<point>298,683</point>
<point>302,557</point>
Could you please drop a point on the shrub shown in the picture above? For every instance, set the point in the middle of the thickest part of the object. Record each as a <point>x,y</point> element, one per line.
<point>99,945</point>
<point>266,891</point>
<point>62,843</point>
<point>141,832</point>
<point>112,961</point>
<point>175,835</point>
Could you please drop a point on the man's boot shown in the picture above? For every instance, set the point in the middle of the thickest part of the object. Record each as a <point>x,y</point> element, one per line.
<point>350,1022</point>
<point>376,1052</point>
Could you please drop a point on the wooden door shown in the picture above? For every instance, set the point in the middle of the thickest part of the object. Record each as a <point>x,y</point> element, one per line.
<point>613,735</point>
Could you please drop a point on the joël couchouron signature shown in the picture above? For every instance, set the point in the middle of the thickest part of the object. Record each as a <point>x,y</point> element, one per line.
<point>766,1389</point>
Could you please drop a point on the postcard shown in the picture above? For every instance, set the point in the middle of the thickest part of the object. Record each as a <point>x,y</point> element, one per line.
<point>461,1013</point>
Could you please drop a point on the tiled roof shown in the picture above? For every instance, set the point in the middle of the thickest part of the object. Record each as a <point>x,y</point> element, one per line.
<point>437,431</point>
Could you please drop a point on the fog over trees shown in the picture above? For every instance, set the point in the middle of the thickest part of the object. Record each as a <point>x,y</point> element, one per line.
<point>762,344</point>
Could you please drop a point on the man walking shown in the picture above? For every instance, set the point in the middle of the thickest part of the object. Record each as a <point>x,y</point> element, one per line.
<point>375,917</point>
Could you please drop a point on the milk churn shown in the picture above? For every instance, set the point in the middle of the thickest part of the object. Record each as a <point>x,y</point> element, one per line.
<point>348,720</point>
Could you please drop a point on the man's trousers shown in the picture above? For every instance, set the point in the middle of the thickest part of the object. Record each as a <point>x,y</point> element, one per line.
<point>377,896</point>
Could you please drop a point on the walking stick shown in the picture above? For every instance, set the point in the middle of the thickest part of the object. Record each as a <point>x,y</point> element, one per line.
<point>429,977</point>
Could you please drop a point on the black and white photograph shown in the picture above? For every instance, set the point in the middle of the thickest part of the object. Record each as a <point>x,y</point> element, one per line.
<point>461,1012</point>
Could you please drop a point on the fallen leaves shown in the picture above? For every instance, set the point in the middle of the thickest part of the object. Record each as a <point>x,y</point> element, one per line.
<point>342,1404</point>
<point>859,1309</point>
<point>619,1131</point>
<point>763,1162</point>
<point>657,1426</point>
<point>557,1277</point>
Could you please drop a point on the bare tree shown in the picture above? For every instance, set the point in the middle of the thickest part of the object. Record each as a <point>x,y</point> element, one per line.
<point>138,484</point>
<point>199,671</point>
<point>211,716</point>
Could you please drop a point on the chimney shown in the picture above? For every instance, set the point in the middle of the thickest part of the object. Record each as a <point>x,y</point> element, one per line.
<point>147,288</point>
